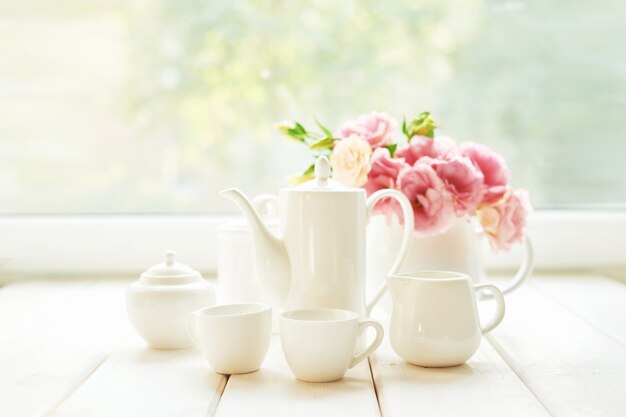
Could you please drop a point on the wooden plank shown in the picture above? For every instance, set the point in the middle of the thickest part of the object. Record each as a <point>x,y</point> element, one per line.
<point>573,368</point>
<point>274,391</point>
<point>139,381</point>
<point>598,300</point>
<point>53,336</point>
<point>563,337</point>
<point>22,303</point>
<point>484,386</point>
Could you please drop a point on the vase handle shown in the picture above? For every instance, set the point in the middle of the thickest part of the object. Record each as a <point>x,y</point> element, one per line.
<point>407,214</point>
<point>525,269</point>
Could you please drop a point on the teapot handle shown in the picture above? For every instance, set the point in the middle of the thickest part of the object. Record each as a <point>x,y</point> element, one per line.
<point>407,213</point>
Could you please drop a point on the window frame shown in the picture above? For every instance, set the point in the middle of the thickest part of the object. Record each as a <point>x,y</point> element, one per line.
<point>112,245</point>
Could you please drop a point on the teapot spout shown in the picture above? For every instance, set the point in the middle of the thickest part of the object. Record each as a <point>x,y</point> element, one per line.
<point>272,260</point>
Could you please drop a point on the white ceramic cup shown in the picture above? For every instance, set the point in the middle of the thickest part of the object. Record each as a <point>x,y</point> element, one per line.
<point>319,344</point>
<point>234,338</point>
<point>434,321</point>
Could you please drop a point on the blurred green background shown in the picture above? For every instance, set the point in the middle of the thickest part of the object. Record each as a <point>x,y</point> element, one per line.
<point>153,106</point>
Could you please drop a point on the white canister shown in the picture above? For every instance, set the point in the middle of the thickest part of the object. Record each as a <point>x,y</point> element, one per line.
<point>160,301</point>
<point>237,280</point>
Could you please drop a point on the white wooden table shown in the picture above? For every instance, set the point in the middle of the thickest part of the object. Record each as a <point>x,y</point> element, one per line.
<point>67,349</point>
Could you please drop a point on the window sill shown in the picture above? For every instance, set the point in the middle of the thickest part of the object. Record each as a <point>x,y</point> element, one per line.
<point>129,244</point>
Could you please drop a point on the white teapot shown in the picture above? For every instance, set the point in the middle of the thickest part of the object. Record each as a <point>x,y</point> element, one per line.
<point>318,261</point>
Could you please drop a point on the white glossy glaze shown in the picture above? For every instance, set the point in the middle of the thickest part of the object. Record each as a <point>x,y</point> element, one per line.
<point>319,344</point>
<point>457,249</point>
<point>434,321</point>
<point>160,301</point>
<point>234,338</point>
<point>237,278</point>
<point>319,259</point>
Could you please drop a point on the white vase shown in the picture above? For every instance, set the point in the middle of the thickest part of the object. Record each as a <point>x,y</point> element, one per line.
<point>456,250</point>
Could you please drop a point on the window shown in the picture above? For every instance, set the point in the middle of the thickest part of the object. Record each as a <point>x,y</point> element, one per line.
<point>145,107</point>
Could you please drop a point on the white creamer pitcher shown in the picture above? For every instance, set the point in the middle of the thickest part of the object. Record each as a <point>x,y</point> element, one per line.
<point>434,321</point>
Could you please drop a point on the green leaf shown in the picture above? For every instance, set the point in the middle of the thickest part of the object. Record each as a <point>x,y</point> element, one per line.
<point>307,175</point>
<point>326,143</point>
<point>310,170</point>
<point>405,130</point>
<point>299,138</point>
<point>297,132</point>
<point>299,129</point>
<point>423,125</point>
<point>293,130</point>
<point>392,149</point>
<point>327,132</point>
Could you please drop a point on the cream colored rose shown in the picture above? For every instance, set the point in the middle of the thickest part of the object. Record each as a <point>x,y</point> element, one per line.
<point>351,161</point>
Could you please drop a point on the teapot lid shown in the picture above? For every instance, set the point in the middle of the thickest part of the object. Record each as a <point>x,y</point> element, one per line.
<point>323,180</point>
<point>170,272</point>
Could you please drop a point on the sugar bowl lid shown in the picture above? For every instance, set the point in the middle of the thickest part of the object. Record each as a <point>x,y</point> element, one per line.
<point>170,272</point>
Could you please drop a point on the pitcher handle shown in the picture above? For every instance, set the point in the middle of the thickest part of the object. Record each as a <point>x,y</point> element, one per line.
<point>407,214</point>
<point>499,314</point>
<point>525,269</point>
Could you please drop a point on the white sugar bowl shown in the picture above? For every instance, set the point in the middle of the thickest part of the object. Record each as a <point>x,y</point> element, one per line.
<point>159,303</point>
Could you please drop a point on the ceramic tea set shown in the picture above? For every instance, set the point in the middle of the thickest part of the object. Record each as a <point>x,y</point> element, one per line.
<point>314,273</point>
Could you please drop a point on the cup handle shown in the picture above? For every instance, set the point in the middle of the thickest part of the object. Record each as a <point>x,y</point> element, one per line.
<point>364,324</point>
<point>525,269</point>
<point>497,318</point>
<point>407,214</point>
<point>191,328</point>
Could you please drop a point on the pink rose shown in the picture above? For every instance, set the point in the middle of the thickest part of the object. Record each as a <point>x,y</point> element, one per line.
<point>495,172</point>
<point>384,171</point>
<point>376,128</point>
<point>383,174</point>
<point>462,179</point>
<point>433,207</point>
<point>505,222</point>
<point>421,146</point>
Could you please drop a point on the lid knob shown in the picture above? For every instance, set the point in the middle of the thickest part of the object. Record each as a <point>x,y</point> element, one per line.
<point>322,170</point>
<point>170,257</point>
<point>170,272</point>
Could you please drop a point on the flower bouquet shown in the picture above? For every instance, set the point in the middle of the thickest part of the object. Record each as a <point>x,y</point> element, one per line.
<point>443,179</point>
